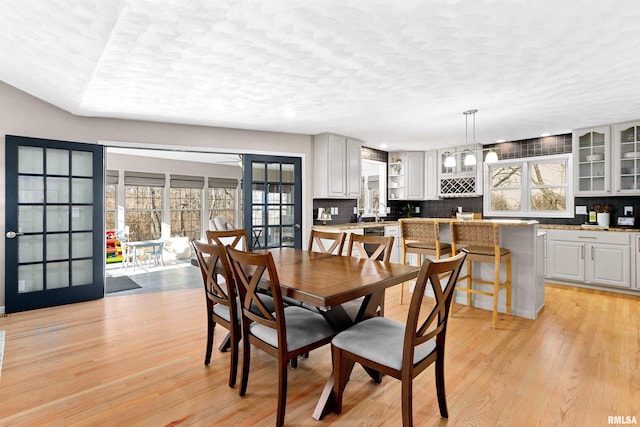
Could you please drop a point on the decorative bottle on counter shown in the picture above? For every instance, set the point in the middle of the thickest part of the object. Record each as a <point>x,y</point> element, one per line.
<point>592,215</point>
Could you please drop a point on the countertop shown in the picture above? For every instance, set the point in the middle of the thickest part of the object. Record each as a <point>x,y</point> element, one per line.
<point>579,227</point>
<point>354,225</point>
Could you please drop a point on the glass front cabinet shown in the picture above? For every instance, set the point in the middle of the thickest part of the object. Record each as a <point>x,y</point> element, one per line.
<point>591,147</point>
<point>627,157</point>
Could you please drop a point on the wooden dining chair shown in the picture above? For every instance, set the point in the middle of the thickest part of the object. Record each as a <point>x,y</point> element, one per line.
<point>318,240</point>
<point>236,238</point>
<point>380,248</point>
<point>222,305</point>
<point>402,350</point>
<point>284,332</point>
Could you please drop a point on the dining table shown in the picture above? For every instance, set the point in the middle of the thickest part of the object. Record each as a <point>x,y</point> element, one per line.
<point>328,281</point>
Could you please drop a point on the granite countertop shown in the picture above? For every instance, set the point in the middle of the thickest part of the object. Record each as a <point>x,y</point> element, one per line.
<point>592,228</point>
<point>353,225</point>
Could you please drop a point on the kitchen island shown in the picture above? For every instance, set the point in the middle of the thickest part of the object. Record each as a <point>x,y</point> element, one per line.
<point>526,244</point>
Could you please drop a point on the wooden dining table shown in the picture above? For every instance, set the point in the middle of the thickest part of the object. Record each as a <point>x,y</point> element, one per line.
<point>328,281</point>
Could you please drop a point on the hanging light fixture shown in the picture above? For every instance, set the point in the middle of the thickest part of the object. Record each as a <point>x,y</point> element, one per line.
<point>470,158</point>
<point>449,160</point>
<point>491,157</point>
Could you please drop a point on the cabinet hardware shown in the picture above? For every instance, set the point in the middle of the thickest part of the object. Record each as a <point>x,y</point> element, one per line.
<point>592,248</point>
<point>587,237</point>
<point>582,252</point>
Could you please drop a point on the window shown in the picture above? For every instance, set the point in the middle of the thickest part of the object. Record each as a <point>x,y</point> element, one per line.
<point>222,201</point>
<point>533,187</point>
<point>110,206</point>
<point>143,212</point>
<point>186,204</point>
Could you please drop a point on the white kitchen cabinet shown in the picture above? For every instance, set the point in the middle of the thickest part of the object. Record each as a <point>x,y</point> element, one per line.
<point>626,155</point>
<point>460,180</point>
<point>431,175</point>
<point>394,230</point>
<point>337,164</point>
<point>406,175</point>
<point>591,257</point>
<point>636,259</point>
<point>592,157</point>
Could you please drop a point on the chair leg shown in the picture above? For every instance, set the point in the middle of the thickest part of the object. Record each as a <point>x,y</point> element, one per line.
<point>407,403</point>
<point>246,350</point>
<point>404,261</point>
<point>496,290</point>
<point>294,362</point>
<point>233,368</point>
<point>442,398</point>
<point>469,281</point>
<point>341,372</point>
<point>282,391</point>
<point>210,331</point>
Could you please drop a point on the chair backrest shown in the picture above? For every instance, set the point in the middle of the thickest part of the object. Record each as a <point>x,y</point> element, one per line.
<point>435,323</point>
<point>317,241</point>
<point>237,238</point>
<point>467,233</point>
<point>382,251</point>
<point>249,270</point>
<point>419,230</point>
<point>213,263</point>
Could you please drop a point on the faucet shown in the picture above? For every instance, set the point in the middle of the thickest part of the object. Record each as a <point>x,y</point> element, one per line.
<point>378,210</point>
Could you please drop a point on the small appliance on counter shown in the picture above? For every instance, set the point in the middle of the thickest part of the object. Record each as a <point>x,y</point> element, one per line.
<point>626,221</point>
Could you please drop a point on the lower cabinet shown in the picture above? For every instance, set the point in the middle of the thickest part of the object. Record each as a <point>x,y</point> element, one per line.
<point>592,257</point>
<point>394,230</point>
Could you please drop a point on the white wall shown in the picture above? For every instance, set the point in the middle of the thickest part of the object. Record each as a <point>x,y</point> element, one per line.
<point>24,115</point>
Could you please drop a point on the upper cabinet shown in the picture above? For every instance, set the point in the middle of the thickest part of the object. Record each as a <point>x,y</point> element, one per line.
<point>460,180</point>
<point>406,175</point>
<point>626,155</point>
<point>337,163</point>
<point>431,175</point>
<point>592,148</point>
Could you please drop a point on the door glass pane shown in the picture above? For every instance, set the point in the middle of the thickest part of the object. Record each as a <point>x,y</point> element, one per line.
<point>81,245</point>
<point>30,219</point>
<point>257,171</point>
<point>57,218</point>
<point>82,163</point>
<point>30,248</point>
<point>81,272</point>
<point>274,193</point>
<point>257,193</point>
<point>273,172</point>
<point>57,275</point>
<point>257,237</point>
<point>257,215</point>
<point>82,218</point>
<point>57,190</point>
<point>30,278</point>
<point>287,215</point>
<point>30,160</point>
<point>57,246</point>
<point>82,190</point>
<point>288,236</point>
<point>274,215</point>
<point>57,162</point>
<point>30,189</point>
<point>288,173</point>
<point>287,193</point>
<point>273,236</point>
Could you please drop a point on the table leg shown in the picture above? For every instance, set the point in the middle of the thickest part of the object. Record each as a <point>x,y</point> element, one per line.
<point>226,343</point>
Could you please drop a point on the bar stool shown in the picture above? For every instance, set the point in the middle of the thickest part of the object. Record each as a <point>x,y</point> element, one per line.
<point>482,242</point>
<point>421,237</point>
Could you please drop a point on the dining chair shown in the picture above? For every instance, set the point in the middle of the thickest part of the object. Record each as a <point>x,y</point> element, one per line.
<point>221,298</point>
<point>236,238</point>
<point>318,240</point>
<point>371,247</point>
<point>482,242</point>
<point>420,237</point>
<point>284,332</point>
<point>402,350</point>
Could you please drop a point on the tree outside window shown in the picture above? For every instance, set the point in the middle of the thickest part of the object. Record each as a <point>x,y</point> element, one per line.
<point>185,205</point>
<point>221,201</point>
<point>143,212</point>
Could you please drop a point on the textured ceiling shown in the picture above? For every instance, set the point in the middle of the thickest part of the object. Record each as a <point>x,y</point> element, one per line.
<point>384,71</point>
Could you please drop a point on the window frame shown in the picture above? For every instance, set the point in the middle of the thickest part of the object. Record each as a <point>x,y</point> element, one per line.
<point>526,187</point>
<point>192,233</point>
<point>212,213</point>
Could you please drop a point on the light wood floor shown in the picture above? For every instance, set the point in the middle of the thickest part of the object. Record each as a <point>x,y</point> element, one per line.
<point>138,360</point>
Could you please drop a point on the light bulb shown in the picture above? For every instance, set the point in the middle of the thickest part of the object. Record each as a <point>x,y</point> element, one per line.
<point>469,158</point>
<point>449,161</point>
<point>492,157</point>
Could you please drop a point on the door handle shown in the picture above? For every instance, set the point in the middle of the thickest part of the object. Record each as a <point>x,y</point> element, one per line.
<point>296,225</point>
<point>12,234</point>
<point>582,252</point>
<point>592,248</point>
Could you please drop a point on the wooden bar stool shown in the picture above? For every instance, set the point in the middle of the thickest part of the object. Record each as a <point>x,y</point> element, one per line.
<point>482,242</point>
<point>421,237</point>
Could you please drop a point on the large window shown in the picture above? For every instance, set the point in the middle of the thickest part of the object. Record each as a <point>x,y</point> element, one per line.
<point>531,187</point>
<point>143,212</point>
<point>186,205</point>
<point>110,206</point>
<point>221,198</point>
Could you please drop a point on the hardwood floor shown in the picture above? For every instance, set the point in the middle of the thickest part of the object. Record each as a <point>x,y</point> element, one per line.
<point>138,360</point>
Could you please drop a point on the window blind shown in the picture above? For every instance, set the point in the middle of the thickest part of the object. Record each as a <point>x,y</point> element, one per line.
<point>144,179</point>
<point>186,181</point>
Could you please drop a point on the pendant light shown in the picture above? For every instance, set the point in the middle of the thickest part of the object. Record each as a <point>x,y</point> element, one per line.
<point>449,160</point>
<point>492,157</point>
<point>470,158</point>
